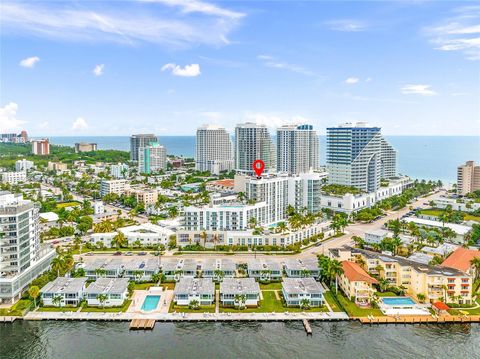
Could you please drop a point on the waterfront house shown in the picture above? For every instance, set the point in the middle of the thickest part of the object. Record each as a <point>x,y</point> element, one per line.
<point>201,290</point>
<point>301,268</point>
<point>189,267</point>
<point>218,269</point>
<point>170,270</point>
<point>63,291</point>
<point>264,270</point>
<point>356,283</point>
<point>107,292</point>
<point>296,291</point>
<point>140,270</point>
<point>239,292</point>
<point>94,268</point>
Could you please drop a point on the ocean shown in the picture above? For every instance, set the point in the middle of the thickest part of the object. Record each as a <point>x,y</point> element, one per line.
<point>422,157</point>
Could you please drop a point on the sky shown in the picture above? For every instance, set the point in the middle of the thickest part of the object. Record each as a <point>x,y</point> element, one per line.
<point>73,68</point>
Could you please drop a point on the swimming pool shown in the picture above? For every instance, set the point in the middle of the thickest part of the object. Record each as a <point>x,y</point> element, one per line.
<point>150,303</point>
<point>398,301</point>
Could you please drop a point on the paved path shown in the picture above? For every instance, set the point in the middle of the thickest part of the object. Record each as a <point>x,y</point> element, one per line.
<point>217,301</point>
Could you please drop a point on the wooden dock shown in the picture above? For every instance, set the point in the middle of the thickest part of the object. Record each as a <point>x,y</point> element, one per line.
<point>137,324</point>
<point>420,319</point>
<point>307,326</point>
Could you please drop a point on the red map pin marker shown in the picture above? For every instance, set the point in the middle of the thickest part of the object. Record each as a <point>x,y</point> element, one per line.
<point>258,167</point>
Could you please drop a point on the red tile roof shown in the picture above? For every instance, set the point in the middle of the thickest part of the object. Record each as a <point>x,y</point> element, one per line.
<point>224,183</point>
<point>441,306</point>
<point>355,273</point>
<point>460,259</point>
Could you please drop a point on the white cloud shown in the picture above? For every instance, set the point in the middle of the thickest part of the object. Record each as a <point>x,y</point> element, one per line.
<point>459,33</point>
<point>98,70</point>
<point>43,125</point>
<point>347,25</point>
<point>412,89</point>
<point>270,61</point>
<point>8,118</point>
<point>192,70</point>
<point>188,24</point>
<point>29,61</point>
<point>79,124</point>
<point>195,6</point>
<point>352,80</point>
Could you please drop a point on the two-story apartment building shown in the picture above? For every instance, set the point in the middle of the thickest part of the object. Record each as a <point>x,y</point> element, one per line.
<point>297,290</point>
<point>63,292</point>
<point>201,290</point>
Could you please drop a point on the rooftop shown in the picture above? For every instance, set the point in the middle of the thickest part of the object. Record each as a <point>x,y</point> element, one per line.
<point>460,259</point>
<point>108,286</point>
<point>64,285</point>
<point>239,286</point>
<point>302,285</point>
<point>355,273</point>
<point>195,286</point>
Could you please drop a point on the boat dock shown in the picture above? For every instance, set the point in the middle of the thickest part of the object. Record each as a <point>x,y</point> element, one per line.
<point>420,319</point>
<point>8,319</point>
<point>137,324</point>
<point>307,326</point>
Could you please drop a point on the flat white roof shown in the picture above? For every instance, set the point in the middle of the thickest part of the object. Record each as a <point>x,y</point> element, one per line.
<point>458,228</point>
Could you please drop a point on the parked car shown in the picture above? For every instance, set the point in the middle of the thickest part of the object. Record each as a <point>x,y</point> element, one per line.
<point>89,254</point>
<point>117,253</point>
<point>129,254</point>
<point>142,253</point>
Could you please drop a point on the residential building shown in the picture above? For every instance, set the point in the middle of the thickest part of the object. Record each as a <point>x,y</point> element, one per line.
<point>388,159</point>
<point>113,186</point>
<point>248,237</point>
<point>298,149</point>
<point>118,171</point>
<point>23,165</point>
<point>140,270</point>
<point>115,291</point>
<point>85,147</point>
<point>302,268</point>
<point>57,166</point>
<point>264,270</point>
<point>139,141</point>
<point>459,229</point>
<point>354,156</point>
<point>40,147</point>
<point>201,290</point>
<point>296,291</point>
<point>152,158</point>
<point>444,283</point>
<point>356,283</point>
<point>98,207</point>
<point>22,257</point>
<point>213,149</point>
<point>236,292</point>
<point>465,204</point>
<point>63,292</point>
<point>143,195</point>
<point>217,269</point>
<point>461,259</point>
<point>253,142</point>
<point>13,177</point>
<point>468,178</point>
<point>376,236</point>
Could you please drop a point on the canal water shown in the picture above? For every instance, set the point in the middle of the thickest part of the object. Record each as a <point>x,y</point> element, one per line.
<point>279,340</point>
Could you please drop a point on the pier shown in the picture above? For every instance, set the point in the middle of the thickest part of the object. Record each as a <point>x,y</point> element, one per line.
<point>145,324</point>
<point>8,319</point>
<point>420,319</point>
<point>307,326</point>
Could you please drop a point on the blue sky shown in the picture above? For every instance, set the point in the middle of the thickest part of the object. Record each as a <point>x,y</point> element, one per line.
<point>168,66</point>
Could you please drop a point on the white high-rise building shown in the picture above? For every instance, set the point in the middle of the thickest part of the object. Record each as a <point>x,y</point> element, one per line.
<point>152,158</point>
<point>113,186</point>
<point>298,149</point>
<point>119,170</point>
<point>13,177</point>
<point>138,141</point>
<point>23,165</point>
<point>388,160</point>
<point>253,142</point>
<point>213,149</point>
<point>22,257</point>
<point>468,178</point>
<point>354,156</point>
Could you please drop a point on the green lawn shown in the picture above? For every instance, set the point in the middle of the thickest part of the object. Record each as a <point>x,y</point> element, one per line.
<point>273,285</point>
<point>18,309</point>
<point>475,311</point>
<point>123,308</point>
<point>354,311</point>
<point>186,309</point>
<point>332,301</point>
<point>271,304</point>
<point>168,285</point>
<point>57,309</point>
<point>385,294</point>
<point>143,286</point>
<point>469,217</point>
<point>438,212</point>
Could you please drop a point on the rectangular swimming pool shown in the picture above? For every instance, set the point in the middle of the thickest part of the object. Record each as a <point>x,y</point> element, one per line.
<point>150,303</point>
<point>398,301</point>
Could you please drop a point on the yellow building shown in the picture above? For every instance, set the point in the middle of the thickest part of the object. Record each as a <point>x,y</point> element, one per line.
<point>356,283</point>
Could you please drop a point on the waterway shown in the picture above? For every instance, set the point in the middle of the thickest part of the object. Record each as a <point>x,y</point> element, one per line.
<point>279,340</point>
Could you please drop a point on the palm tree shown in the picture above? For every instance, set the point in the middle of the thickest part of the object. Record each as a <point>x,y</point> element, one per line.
<point>57,300</point>
<point>68,262</point>
<point>137,274</point>
<point>119,240</point>
<point>57,264</point>
<point>361,262</point>
<point>305,303</point>
<point>282,227</point>
<point>240,300</point>
<point>102,298</point>
<point>396,227</point>
<point>475,262</point>
<point>383,284</point>
<point>359,242</point>
<point>219,274</point>
<point>421,297</point>
<point>34,292</point>
<point>304,273</point>
<point>203,236</point>
<point>100,272</point>
<point>252,222</point>
<point>194,304</point>
<point>339,222</point>
<point>334,270</point>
